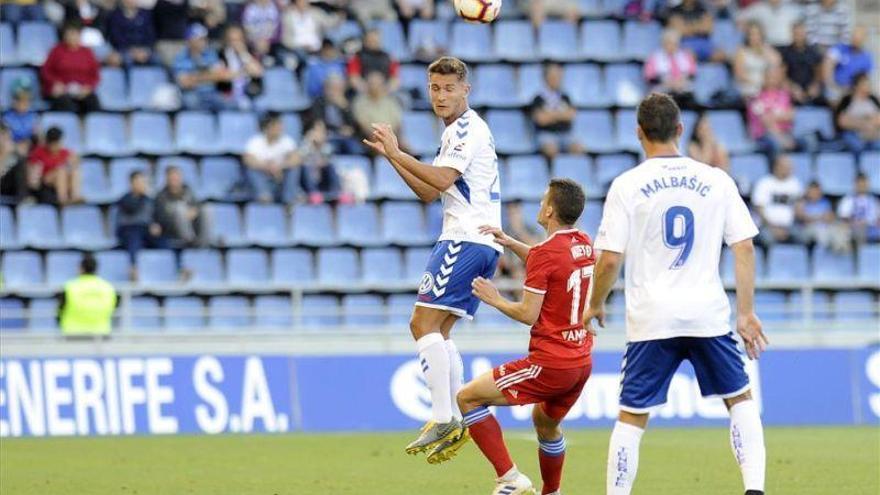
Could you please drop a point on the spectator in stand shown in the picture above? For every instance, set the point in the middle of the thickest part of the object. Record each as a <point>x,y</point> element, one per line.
<point>803,63</point>
<point>136,226</point>
<point>70,74</point>
<point>53,170</point>
<point>131,33</point>
<point>318,177</point>
<point>829,22</point>
<point>198,70</point>
<point>752,61</point>
<point>13,170</point>
<point>694,22</point>
<point>843,62</point>
<point>539,10</point>
<point>375,105</point>
<point>553,114</point>
<point>672,70</point>
<point>774,198</point>
<point>15,11</point>
<point>334,109</point>
<point>776,18</point>
<point>858,117</point>
<point>862,211</point>
<point>820,224</point>
<point>372,58</point>
<point>303,28</point>
<point>705,146</point>
<point>172,21</point>
<point>21,119</point>
<point>178,212</point>
<point>319,68</point>
<point>89,13</point>
<point>368,11</point>
<point>208,13</point>
<point>771,115</point>
<point>244,78</point>
<point>409,9</point>
<point>261,21</point>
<point>509,265</point>
<point>269,157</point>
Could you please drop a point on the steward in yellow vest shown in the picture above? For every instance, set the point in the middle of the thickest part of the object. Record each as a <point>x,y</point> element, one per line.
<point>88,302</point>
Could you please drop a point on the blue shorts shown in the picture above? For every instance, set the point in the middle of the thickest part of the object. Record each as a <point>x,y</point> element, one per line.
<point>452,267</point>
<point>648,368</point>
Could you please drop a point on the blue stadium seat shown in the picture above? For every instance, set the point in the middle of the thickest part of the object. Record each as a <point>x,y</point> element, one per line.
<point>558,40</point>
<point>771,305</point>
<point>387,183</point>
<point>813,120</point>
<point>640,39</point>
<point>156,267</point>
<point>403,223</point>
<point>229,312</point>
<point>729,127</point>
<point>112,91</point>
<point>114,266</point>
<point>247,267</point>
<point>831,266</point>
<point>184,313</point>
<point>394,39</point>
<point>710,79</point>
<point>728,274</point>
<point>601,41</point>
<point>265,224</point>
<point>281,92</point>
<point>803,166</point>
<point>345,31</point>
<point>313,225</point>
<point>529,210</point>
<point>38,226</point>
<point>869,164</point>
<point>12,318</point>
<point>61,266</point>
<point>577,167</point>
<point>596,130</point>
<point>472,42</point>
<point>381,266</point>
<point>21,269</point>
<point>196,132</point>
<point>83,228</point>
<point>235,128</point>
<point>726,36</point>
<point>43,315</point>
<point>320,311</point>
<point>488,316</point>
<point>821,305</point>
<point>94,182</point>
<point>363,310</point>
<point>495,86</point>
<point>836,173</point>
<point>219,175</point>
<point>273,312</point>
<point>530,80</point>
<point>625,130</point>
<point>106,134</point>
<point>151,133</point>
<point>608,167</point>
<point>35,40</point>
<point>414,262</point>
<point>525,177</point>
<point>292,266</point>
<point>187,167</point>
<point>9,76</point>
<point>591,218</point>
<point>120,174</point>
<point>434,215</point>
<point>414,78</point>
<point>69,125</point>
<point>293,125</point>
<point>8,51</point>
<point>350,162</point>
<point>869,262</point>
<point>358,225</point>
<point>427,34</point>
<point>143,81</point>
<point>624,84</point>
<point>338,266</point>
<point>145,314</point>
<point>584,84</point>
<point>512,132</point>
<point>515,41</point>
<point>855,305</point>
<point>205,267</point>
<point>227,225</point>
<point>421,130</point>
<point>399,308</point>
<point>787,262</point>
<point>8,234</point>
<point>748,169</point>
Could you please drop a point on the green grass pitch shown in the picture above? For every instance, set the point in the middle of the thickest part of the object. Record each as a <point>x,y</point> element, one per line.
<point>801,461</point>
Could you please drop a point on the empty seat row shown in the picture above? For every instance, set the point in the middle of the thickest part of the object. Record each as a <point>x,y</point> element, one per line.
<point>29,45</point>
<point>779,306</point>
<point>835,171</point>
<point>795,263</point>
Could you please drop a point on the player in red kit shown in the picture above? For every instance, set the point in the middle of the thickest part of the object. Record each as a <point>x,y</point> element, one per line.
<point>552,376</point>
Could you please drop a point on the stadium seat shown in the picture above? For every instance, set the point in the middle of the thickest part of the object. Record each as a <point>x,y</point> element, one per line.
<point>771,305</point>
<point>515,41</point>
<point>601,41</point>
<point>726,36</point>
<point>414,79</point>
<point>869,164</point>
<point>529,210</point>
<point>35,40</point>
<point>640,39</point>
<point>83,228</point>
<point>399,307</point>
<point>728,274</point>
<point>247,267</point>
<point>855,305</point>
<point>829,266</point>
<point>869,262</point>
<point>281,92</point>
<point>494,86</point>
<point>803,166</point>
<point>338,266</point>
<point>205,267</point>
<point>577,167</point>
<point>394,39</point>
<point>229,312</point>
<point>608,167</point>
<point>710,79</point>
<point>143,82</point>
<point>584,84</point>
<point>38,226</point>
<point>558,40</point>
<point>363,310</point>
<point>748,169</point>
<point>472,42</point>
<point>421,131</point>
<point>836,173</point>
<point>344,163</point>
<point>43,315</point>
<point>625,130</point>
<point>624,84</point>
<point>218,176</point>
<point>196,133</point>
<point>387,184</point>
<point>346,31</point>
<point>10,76</point>
<point>313,225</point>
<point>94,182</point>
<point>358,225</point>
<point>596,130</point>
<point>381,266</point>
<point>156,267</point>
<point>434,215</point>
<point>120,174</point>
<point>529,81</point>
<point>787,262</point>
<point>187,167</point>
<point>21,269</point>
<point>8,51</point>
<point>403,223</point>
<point>293,125</point>
<point>292,266</point>
<point>427,34</point>
<point>151,133</point>
<point>591,218</point>
<point>112,91</point>
<point>12,317</point>
<point>185,313</point>
<point>235,128</point>
<point>821,306</point>
<point>226,226</point>
<point>812,121</point>
<point>320,311</point>
<point>488,316</point>
<point>265,225</point>
<point>525,177</point>
<point>273,312</point>
<point>114,266</point>
<point>414,262</point>
<point>512,132</point>
<point>8,234</point>
<point>69,125</point>
<point>106,134</point>
<point>729,127</point>
<point>145,314</point>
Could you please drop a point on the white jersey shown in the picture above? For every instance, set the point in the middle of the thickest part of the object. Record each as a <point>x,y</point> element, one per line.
<point>475,198</point>
<point>669,216</point>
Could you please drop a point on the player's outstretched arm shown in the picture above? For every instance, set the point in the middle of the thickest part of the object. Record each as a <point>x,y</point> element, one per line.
<point>525,311</point>
<point>747,323</point>
<point>604,276</point>
<point>520,249</point>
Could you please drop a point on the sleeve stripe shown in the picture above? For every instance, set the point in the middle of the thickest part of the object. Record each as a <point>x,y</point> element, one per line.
<point>536,291</point>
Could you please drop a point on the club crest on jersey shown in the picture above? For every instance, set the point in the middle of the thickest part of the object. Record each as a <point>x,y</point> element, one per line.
<point>427,283</point>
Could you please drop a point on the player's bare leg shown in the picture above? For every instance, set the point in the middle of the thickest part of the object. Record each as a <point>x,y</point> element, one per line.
<point>551,450</point>
<point>747,441</point>
<point>623,452</point>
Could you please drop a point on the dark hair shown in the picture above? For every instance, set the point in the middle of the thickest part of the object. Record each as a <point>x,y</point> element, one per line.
<point>71,25</point>
<point>172,168</point>
<point>658,117</point>
<point>449,65</point>
<point>88,264</point>
<point>567,199</point>
<point>135,174</point>
<point>814,183</point>
<point>861,176</point>
<point>858,78</point>
<point>268,119</point>
<point>54,135</point>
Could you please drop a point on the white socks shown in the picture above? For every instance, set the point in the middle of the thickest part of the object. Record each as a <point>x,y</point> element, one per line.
<point>456,376</point>
<point>623,458</point>
<point>434,360</point>
<point>747,442</point>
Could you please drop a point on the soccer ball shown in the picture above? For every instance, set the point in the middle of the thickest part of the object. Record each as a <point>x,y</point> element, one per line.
<point>482,11</point>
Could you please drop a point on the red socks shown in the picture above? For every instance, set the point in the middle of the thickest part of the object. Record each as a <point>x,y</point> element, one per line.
<point>486,432</point>
<point>551,456</point>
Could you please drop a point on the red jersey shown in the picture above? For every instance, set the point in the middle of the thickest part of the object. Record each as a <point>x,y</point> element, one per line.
<point>42,157</point>
<point>560,268</point>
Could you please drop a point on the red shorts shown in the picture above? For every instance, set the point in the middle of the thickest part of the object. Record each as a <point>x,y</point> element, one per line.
<point>523,382</point>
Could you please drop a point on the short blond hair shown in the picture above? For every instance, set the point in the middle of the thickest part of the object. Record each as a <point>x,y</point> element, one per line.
<point>449,65</point>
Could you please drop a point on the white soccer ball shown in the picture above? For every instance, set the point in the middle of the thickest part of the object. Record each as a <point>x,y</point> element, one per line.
<point>482,11</point>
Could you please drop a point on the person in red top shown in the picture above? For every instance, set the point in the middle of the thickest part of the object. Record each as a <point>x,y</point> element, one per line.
<point>558,272</point>
<point>53,170</point>
<point>71,73</point>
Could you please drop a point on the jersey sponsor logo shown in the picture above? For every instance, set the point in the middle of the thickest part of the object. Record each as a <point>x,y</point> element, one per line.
<point>427,283</point>
<point>581,250</point>
<point>574,335</point>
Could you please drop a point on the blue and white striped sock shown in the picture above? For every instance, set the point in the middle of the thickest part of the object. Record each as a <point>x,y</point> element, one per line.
<point>476,415</point>
<point>552,448</point>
